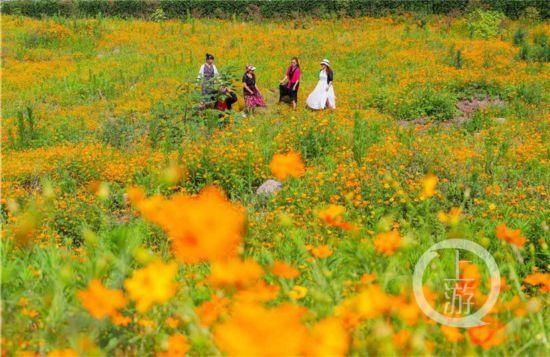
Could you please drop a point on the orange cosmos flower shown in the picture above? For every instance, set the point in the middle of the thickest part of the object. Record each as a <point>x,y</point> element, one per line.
<point>387,243</point>
<point>429,183</point>
<point>332,216</point>
<point>401,339</point>
<point>210,311</point>
<point>253,330</point>
<point>235,273</point>
<point>100,301</point>
<point>153,284</point>
<point>542,279</point>
<point>370,303</point>
<point>512,236</point>
<point>452,334</point>
<point>260,292</point>
<point>487,336</point>
<point>203,228</point>
<point>177,346</point>
<point>120,320</point>
<point>67,352</point>
<point>322,251</point>
<point>284,270</point>
<point>283,166</point>
<point>328,337</point>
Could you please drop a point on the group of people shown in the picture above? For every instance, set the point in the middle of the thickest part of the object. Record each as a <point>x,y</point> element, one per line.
<point>224,97</point>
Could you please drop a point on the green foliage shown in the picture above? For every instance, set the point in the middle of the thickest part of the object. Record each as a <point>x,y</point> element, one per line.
<point>26,132</point>
<point>121,132</point>
<point>255,10</point>
<point>428,103</point>
<point>484,24</point>
<point>537,51</point>
<point>520,36</point>
<point>455,57</point>
<point>365,134</point>
<point>158,15</point>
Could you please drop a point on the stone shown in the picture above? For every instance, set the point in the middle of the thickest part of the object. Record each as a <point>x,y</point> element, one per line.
<point>269,187</point>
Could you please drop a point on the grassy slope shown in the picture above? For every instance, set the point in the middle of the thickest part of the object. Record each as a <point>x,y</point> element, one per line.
<point>94,83</point>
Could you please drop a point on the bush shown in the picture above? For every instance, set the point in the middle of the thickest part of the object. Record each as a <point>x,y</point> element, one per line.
<point>428,104</point>
<point>484,24</point>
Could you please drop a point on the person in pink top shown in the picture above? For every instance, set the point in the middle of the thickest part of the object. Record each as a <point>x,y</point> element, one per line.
<point>289,85</point>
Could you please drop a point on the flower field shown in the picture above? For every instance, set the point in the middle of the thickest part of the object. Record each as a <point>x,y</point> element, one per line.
<point>131,223</point>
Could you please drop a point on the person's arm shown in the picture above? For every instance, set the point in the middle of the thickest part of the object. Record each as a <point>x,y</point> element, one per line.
<point>330,79</point>
<point>297,74</point>
<point>284,80</point>
<point>215,70</point>
<point>245,86</point>
<point>201,72</point>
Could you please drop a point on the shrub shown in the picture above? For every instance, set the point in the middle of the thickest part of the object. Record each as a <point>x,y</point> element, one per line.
<point>484,24</point>
<point>429,104</point>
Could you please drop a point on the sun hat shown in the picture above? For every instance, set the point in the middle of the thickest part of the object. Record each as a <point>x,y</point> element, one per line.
<point>250,67</point>
<point>326,62</point>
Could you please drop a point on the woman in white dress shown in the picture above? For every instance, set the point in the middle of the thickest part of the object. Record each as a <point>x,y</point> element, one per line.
<point>323,95</point>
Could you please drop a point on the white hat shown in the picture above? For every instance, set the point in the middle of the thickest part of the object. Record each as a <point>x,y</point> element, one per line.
<point>326,62</point>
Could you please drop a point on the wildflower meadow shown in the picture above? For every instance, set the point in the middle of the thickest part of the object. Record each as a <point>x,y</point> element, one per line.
<point>132,222</point>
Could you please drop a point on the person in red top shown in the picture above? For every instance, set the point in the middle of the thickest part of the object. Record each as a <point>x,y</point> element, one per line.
<point>290,84</point>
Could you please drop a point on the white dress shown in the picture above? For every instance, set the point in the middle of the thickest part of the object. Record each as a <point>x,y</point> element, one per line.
<point>318,98</point>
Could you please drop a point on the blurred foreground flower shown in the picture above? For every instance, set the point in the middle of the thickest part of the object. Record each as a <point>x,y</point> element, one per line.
<point>235,273</point>
<point>201,228</point>
<point>298,292</point>
<point>322,251</point>
<point>283,166</point>
<point>452,218</point>
<point>328,338</point>
<point>512,236</point>
<point>488,336</point>
<point>284,270</point>
<point>429,183</point>
<point>177,346</point>
<point>100,301</point>
<point>387,242</point>
<point>153,284</point>
<point>253,330</point>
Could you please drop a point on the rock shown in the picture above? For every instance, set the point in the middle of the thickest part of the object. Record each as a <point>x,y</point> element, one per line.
<point>269,187</point>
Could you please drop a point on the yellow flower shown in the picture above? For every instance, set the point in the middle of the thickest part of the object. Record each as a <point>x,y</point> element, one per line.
<point>452,218</point>
<point>298,292</point>
<point>100,301</point>
<point>153,284</point>
<point>283,166</point>
<point>429,183</point>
